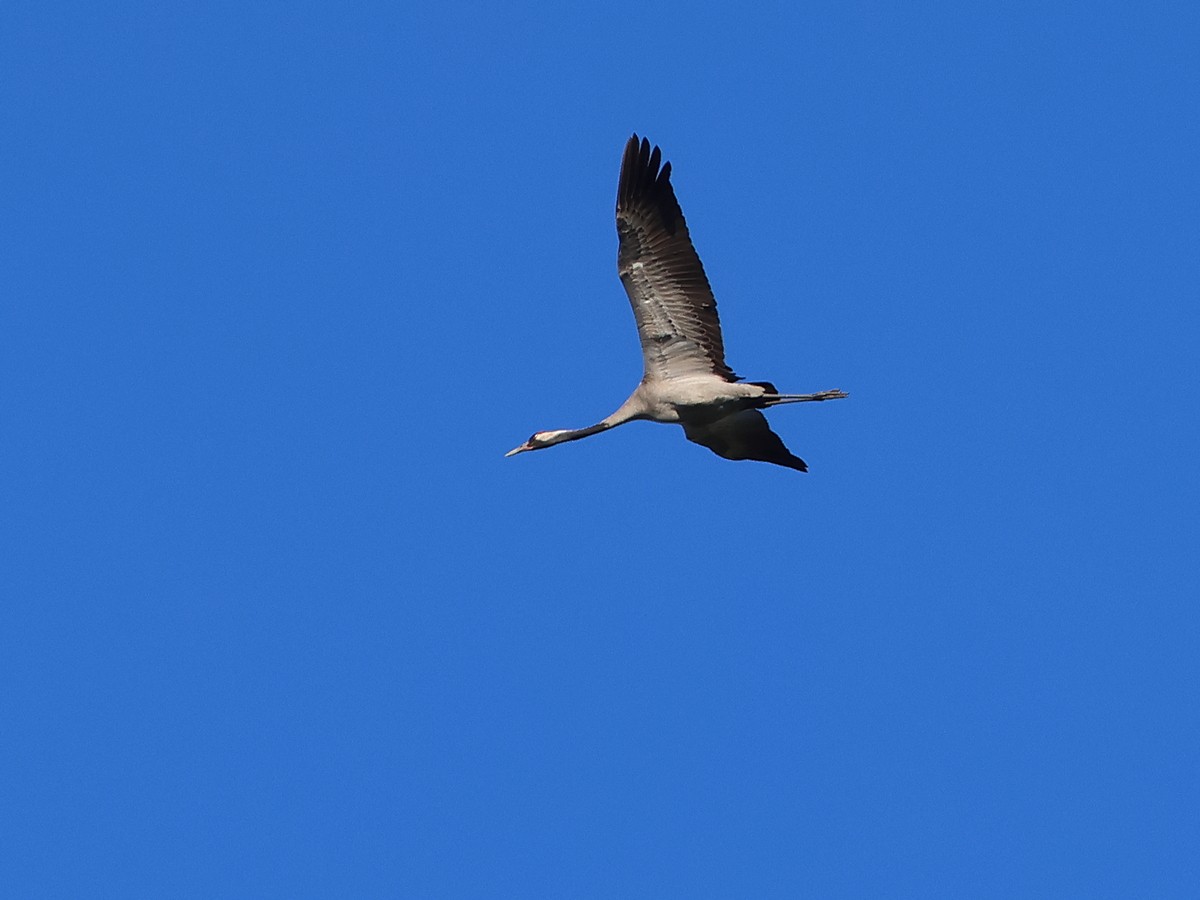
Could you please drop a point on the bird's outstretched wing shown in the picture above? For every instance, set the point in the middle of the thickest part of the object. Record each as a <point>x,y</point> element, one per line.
<point>743,435</point>
<point>672,302</point>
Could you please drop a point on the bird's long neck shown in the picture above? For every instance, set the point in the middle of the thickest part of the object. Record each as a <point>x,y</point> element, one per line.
<point>633,408</point>
<point>572,434</point>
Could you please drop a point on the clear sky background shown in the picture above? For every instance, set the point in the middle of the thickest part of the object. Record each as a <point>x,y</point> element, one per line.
<point>282,283</point>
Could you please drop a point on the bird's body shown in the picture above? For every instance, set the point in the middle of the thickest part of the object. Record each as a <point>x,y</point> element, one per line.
<point>676,400</point>
<point>686,379</point>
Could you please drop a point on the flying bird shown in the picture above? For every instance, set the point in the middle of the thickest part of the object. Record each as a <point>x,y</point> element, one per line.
<point>686,379</point>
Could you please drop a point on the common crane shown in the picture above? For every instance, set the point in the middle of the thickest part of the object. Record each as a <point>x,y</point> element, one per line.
<point>686,380</point>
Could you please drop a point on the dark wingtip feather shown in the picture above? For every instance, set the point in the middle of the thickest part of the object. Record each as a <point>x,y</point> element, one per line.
<point>646,182</point>
<point>631,152</point>
<point>643,173</point>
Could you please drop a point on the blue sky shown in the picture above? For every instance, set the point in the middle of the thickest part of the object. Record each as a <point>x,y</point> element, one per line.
<point>282,283</point>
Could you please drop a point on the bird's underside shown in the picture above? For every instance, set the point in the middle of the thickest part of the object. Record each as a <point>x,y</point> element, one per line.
<point>723,416</point>
<point>686,380</point>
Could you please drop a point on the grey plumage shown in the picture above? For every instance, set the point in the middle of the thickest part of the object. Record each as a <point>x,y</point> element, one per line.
<point>686,379</point>
<point>672,301</point>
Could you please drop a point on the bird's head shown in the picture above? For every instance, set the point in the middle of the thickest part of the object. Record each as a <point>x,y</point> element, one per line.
<point>537,441</point>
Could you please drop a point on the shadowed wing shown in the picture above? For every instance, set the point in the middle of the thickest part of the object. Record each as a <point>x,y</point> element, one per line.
<point>743,435</point>
<point>672,302</point>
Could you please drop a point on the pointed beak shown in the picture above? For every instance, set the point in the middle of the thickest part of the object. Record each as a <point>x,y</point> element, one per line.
<point>516,450</point>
